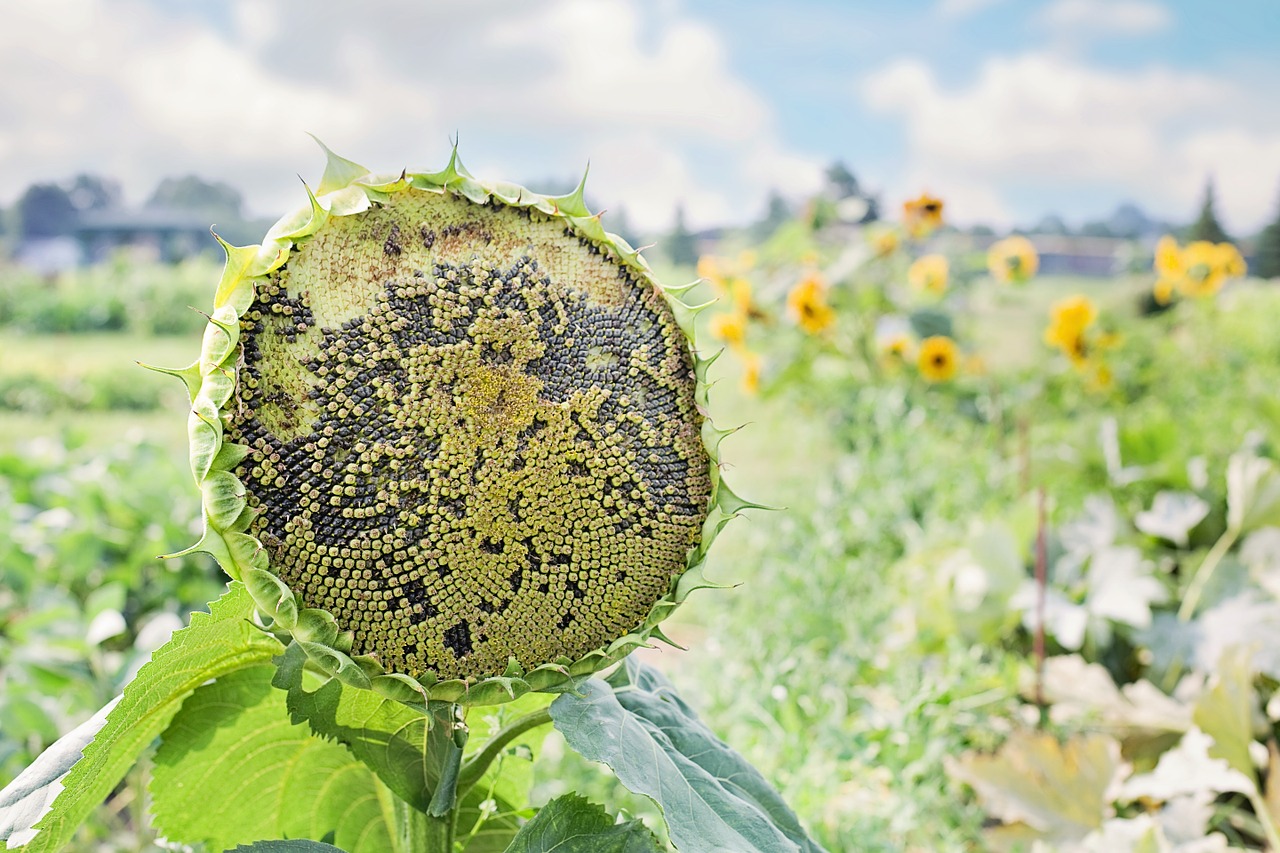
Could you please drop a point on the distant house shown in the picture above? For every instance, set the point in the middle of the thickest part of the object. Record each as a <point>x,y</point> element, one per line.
<point>158,233</point>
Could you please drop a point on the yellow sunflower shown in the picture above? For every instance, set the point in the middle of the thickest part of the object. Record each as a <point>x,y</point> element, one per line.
<point>807,303</point>
<point>922,216</point>
<point>730,327</point>
<point>1168,261</point>
<point>1013,260</point>
<point>1068,321</point>
<point>929,274</point>
<point>938,359</point>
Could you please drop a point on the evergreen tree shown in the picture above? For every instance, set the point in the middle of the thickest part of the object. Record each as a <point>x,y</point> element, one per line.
<point>841,180</point>
<point>1207,226</point>
<point>1267,262</point>
<point>682,249</point>
<point>776,215</point>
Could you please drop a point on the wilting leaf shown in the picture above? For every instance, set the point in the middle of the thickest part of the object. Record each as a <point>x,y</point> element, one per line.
<point>1062,791</point>
<point>1227,709</point>
<point>1080,691</point>
<point>1187,769</point>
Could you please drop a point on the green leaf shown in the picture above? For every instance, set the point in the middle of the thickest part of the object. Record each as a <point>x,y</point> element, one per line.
<point>1228,709</point>
<point>711,797</point>
<point>215,644</point>
<point>570,824</point>
<point>386,735</point>
<point>31,795</point>
<point>270,778</point>
<point>290,846</point>
<point>1253,493</point>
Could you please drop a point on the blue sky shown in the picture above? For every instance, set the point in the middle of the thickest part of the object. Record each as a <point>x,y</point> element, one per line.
<point>1008,109</point>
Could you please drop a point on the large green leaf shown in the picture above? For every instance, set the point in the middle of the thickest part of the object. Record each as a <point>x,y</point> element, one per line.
<point>570,824</point>
<point>386,735</point>
<point>232,769</point>
<point>711,797</point>
<point>213,645</point>
<point>290,846</point>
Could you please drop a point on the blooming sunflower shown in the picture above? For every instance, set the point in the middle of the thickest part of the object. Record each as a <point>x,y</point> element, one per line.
<point>807,303</point>
<point>1069,320</point>
<point>938,358</point>
<point>922,216</point>
<point>929,274</point>
<point>1013,260</point>
<point>730,327</point>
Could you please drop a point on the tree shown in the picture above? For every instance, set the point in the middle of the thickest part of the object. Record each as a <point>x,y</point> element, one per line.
<point>1267,262</point>
<point>214,200</point>
<point>681,246</point>
<point>1207,226</point>
<point>93,192</point>
<point>45,210</point>
<point>777,212</point>
<point>841,181</point>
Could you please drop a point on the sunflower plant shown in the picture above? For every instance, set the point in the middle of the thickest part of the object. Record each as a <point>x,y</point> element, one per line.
<point>450,441</point>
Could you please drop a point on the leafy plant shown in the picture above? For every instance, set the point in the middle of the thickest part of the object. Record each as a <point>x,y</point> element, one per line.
<point>331,693</point>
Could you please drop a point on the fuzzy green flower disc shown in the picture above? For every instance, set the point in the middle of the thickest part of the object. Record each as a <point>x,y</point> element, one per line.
<point>473,435</point>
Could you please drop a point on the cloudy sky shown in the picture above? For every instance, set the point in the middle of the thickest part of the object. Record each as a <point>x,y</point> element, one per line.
<point>1007,108</point>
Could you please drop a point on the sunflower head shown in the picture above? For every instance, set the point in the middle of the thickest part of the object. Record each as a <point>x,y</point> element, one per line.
<point>922,216</point>
<point>1013,260</point>
<point>807,303</point>
<point>450,435</point>
<point>938,359</point>
<point>929,275</point>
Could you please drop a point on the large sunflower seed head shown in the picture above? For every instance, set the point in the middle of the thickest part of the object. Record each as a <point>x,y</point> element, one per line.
<point>461,420</point>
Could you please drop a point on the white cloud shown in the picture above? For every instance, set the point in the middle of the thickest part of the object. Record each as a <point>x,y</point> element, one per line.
<point>538,89</point>
<point>1107,17</point>
<point>1037,122</point>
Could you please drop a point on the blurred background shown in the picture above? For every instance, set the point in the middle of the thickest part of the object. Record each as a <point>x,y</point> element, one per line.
<point>996,282</point>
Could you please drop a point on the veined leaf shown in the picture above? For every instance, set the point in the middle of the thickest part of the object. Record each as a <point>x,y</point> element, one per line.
<point>290,846</point>
<point>386,735</point>
<point>711,797</point>
<point>277,779</point>
<point>570,824</point>
<point>215,644</point>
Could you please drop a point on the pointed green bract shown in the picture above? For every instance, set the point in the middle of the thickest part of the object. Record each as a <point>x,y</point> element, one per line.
<point>466,425</point>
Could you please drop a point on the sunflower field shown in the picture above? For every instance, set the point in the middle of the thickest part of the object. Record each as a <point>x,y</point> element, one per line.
<point>1017,588</point>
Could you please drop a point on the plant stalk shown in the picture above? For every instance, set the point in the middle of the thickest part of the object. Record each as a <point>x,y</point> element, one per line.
<point>1201,579</point>
<point>475,768</point>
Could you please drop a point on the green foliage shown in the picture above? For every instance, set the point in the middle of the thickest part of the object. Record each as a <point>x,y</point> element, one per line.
<point>1206,226</point>
<point>215,644</point>
<point>710,797</point>
<point>570,824</point>
<point>1267,253</point>
<point>150,299</point>
<point>303,786</point>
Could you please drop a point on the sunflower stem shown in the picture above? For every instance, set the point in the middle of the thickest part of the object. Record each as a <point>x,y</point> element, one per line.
<point>475,768</point>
